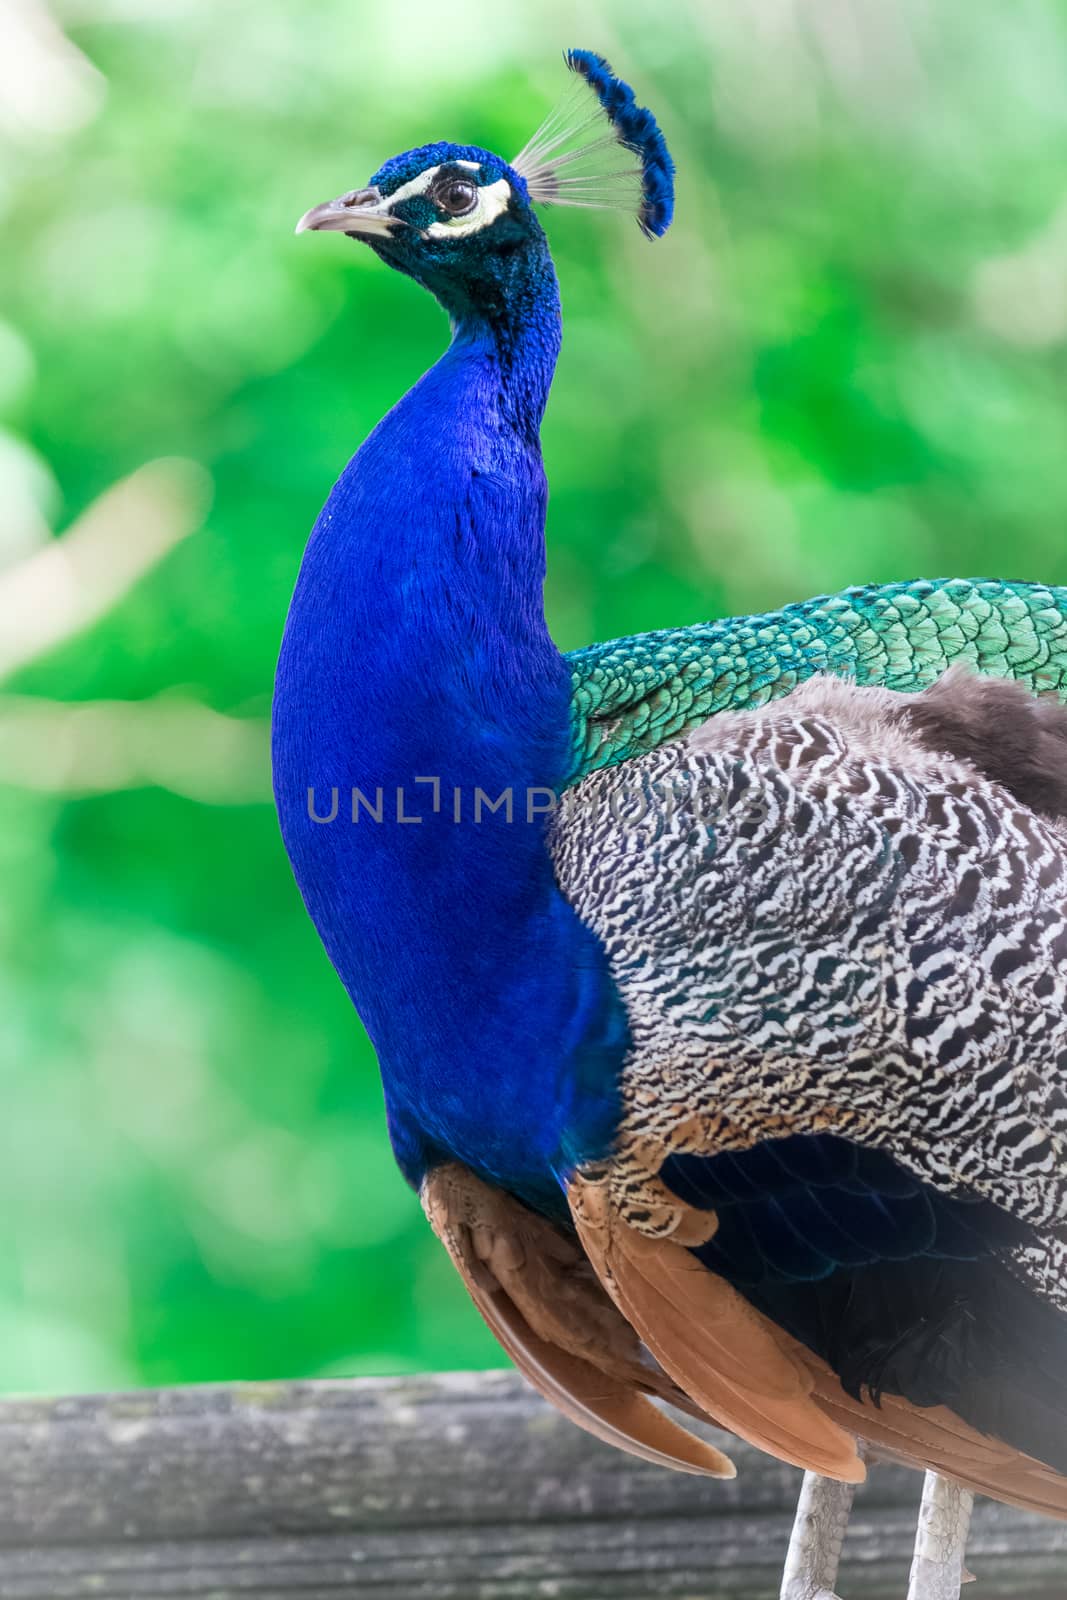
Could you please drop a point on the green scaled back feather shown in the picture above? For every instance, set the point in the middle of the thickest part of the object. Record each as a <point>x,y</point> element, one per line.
<point>633,694</point>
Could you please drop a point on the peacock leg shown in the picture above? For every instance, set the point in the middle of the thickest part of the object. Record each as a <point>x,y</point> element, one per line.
<point>937,1569</point>
<point>815,1543</point>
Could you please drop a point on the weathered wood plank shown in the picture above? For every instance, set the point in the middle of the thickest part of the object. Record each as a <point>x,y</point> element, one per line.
<point>462,1487</point>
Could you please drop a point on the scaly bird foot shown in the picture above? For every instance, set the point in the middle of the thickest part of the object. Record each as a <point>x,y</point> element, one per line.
<point>815,1543</point>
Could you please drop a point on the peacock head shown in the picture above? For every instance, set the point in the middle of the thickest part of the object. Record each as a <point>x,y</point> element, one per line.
<point>461,221</point>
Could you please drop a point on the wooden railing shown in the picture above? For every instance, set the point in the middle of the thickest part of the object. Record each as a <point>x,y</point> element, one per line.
<point>463,1487</point>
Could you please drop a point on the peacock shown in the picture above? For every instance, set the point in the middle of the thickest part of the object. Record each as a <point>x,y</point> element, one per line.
<point>717,976</point>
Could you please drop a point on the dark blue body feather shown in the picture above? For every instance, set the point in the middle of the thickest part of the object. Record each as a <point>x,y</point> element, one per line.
<point>416,647</point>
<point>799,1209</point>
<point>901,1288</point>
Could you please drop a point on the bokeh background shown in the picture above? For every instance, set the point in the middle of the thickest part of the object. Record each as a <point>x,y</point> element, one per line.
<point>847,362</point>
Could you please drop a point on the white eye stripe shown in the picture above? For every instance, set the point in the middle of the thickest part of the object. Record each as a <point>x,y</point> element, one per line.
<point>417,185</point>
<point>493,200</point>
<point>422,181</point>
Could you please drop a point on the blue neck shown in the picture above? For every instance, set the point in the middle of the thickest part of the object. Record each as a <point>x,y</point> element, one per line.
<point>416,649</point>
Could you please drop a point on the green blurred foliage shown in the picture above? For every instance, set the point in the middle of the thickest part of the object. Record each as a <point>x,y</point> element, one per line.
<point>847,362</point>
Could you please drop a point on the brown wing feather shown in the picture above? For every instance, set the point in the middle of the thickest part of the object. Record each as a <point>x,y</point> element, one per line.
<point>718,1348</point>
<point>934,1437</point>
<point>537,1294</point>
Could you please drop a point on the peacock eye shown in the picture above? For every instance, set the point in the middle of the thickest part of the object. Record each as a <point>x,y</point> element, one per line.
<point>457,197</point>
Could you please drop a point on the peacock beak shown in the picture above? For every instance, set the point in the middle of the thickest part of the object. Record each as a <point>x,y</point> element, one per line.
<point>360,212</point>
